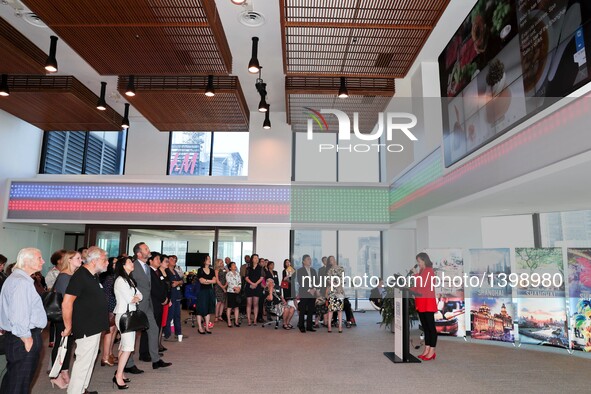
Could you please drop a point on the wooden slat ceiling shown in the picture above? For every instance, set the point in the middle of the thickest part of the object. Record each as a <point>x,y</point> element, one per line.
<point>141,37</point>
<point>18,54</point>
<point>364,38</point>
<point>179,103</point>
<point>57,103</point>
<point>367,96</point>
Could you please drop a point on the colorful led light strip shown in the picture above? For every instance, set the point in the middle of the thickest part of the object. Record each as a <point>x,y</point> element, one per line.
<point>148,207</point>
<point>339,205</point>
<point>149,192</point>
<point>275,204</point>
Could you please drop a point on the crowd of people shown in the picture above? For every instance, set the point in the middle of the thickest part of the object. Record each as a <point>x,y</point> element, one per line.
<point>96,291</point>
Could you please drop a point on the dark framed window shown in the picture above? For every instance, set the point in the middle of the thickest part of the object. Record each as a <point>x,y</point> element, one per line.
<point>81,152</point>
<point>208,153</point>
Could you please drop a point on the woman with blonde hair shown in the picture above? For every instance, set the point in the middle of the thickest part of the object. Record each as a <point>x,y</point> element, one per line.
<point>69,263</point>
<point>221,288</point>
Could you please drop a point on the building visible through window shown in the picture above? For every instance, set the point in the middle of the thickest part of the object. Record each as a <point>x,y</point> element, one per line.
<point>191,153</point>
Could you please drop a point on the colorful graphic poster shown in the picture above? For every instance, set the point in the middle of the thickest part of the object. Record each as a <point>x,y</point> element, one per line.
<point>449,264</point>
<point>540,292</point>
<point>579,289</point>
<point>492,314</point>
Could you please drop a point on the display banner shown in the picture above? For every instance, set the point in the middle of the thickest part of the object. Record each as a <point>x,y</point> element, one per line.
<point>579,292</point>
<point>540,293</point>
<point>451,318</point>
<point>491,308</point>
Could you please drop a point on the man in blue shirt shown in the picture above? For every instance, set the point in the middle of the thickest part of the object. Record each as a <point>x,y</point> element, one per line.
<point>23,317</point>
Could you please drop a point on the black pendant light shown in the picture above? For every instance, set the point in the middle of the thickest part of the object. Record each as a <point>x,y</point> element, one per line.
<point>263,106</point>
<point>102,104</point>
<point>343,92</point>
<point>267,122</point>
<point>4,91</point>
<point>210,91</point>
<point>125,121</point>
<point>253,64</point>
<point>130,89</point>
<point>51,63</point>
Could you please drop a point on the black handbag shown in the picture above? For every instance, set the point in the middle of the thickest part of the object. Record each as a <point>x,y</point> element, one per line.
<point>133,321</point>
<point>52,302</point>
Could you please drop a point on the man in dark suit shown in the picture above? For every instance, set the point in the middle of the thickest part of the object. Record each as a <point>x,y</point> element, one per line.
<point>307,293</point>
<point>159,295</point>
<point>142,276</point>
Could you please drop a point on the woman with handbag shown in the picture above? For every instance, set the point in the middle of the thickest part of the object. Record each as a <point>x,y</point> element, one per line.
<point>234,283</point>
<point>127,296</point>
<point>69,263</point>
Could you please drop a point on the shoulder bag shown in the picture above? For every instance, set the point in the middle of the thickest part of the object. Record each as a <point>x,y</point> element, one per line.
<point>52,302</point>
<point>133,321</point>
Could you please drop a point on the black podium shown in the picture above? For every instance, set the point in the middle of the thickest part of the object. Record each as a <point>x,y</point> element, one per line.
<point>401,328</point>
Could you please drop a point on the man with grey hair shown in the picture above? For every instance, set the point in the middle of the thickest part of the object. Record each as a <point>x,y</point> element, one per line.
<point>86,314</point>
<point>23,317</point>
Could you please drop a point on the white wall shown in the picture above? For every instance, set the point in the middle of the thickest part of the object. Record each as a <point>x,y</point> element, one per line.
<point>427,106</point>
<point>147,149</point>
<point>508,231</point>
<point>20,150</point>
<point>311,165</point>
<point>270,150</point>
<point>449,232</point>
<point>14,237</point>
<point>273,243</point>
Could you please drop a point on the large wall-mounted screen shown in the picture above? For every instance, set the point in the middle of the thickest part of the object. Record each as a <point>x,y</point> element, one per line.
<point>509,60</point>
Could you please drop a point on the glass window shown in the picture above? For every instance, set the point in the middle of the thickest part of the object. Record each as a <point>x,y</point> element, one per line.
<point>235,244</point>
<point>360,254</point>
<point>316,243</point>
<point>565,228</point>
<point>80,152</point>
<point>177,248</point>
<point>208,153</point>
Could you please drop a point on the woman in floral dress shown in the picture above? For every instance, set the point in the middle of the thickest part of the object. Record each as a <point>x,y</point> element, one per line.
<point>336,294</point>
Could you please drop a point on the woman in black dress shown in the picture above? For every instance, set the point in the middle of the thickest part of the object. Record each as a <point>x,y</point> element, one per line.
<point>253,288</point>
<point>206,297</point>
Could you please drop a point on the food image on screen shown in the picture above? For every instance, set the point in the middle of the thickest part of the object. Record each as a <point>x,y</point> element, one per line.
<point>534,51</point>
<point>544,44</point>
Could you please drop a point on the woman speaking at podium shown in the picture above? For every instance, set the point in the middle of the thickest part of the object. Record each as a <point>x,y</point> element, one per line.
<point>425,303</point>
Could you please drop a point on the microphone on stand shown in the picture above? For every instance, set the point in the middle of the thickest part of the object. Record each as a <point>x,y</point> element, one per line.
<point>413,269</point>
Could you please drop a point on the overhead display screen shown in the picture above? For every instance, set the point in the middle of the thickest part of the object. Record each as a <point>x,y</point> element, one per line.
<point>509,60</point>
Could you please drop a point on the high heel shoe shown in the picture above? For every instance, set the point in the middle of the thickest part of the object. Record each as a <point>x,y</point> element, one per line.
<point>126,380</point>
<point>65,376</point>
<point>200,331</point>
<point>430,358</point>
<point>106,362</point>
<point>59,382</point>
<point>122,387</point>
